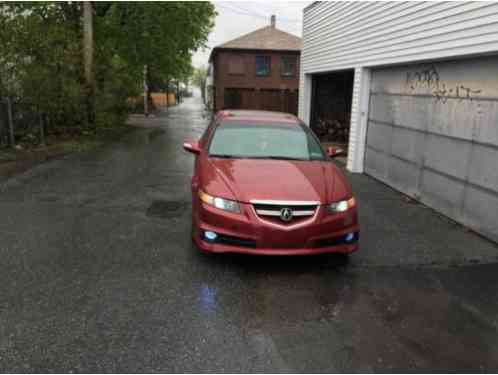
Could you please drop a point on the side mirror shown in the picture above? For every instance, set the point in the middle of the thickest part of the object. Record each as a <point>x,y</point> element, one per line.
<point>334,151</point>
<point>192,147</point>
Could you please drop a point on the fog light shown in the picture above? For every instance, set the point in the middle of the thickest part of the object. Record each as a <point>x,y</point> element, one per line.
<point>210,236</point>
<point>349,237</point>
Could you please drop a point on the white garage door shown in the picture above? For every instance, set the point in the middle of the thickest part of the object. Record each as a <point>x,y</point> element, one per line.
<point>433,134</point>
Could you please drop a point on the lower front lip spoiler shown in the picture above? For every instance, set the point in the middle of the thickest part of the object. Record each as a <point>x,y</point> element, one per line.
<point>347,239</point>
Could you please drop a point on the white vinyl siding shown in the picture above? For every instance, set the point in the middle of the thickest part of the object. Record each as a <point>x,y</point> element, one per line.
<point>345,35</point>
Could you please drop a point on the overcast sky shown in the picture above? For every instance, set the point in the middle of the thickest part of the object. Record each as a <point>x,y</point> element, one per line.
<point>236,18</point>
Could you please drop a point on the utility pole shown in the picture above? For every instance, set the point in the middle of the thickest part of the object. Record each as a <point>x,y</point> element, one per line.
<point>88,50</point>
<point>146,93</point>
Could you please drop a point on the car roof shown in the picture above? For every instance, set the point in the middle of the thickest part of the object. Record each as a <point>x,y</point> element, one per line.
<point>245,115</point>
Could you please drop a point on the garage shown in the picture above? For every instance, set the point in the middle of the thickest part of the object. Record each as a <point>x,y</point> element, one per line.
<point>424,103</point>
<point>433,134</point>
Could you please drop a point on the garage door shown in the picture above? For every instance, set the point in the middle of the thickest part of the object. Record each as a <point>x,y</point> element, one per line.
<point>264,99</point>
<point>240,98</point>
<point>433,134</point>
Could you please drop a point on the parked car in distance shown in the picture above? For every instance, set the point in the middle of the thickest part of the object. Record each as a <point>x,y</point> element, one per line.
<point>262,184</point>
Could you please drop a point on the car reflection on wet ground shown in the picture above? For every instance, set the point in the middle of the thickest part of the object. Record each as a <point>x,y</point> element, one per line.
<point>98,273</point>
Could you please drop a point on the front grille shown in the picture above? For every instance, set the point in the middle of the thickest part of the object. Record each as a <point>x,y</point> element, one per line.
<point>273,210</point>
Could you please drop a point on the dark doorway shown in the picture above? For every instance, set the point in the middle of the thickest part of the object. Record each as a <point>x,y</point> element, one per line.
<point>332,94</point>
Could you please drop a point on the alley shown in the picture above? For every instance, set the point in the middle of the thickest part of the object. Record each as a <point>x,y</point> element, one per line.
<point>98,274</point>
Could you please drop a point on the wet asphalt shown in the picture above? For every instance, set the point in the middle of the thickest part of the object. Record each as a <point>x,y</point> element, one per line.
<point>98,274</point>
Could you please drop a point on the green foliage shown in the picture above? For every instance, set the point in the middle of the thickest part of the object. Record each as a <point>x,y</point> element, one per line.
<point>199,77</point>
<point>41,59</point>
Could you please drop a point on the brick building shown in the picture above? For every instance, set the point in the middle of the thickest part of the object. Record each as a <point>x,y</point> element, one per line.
<point>259,70</point>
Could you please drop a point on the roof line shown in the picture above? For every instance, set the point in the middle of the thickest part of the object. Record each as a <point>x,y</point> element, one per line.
<point>258,30</point>
<point>256,49</point>
<point>311,5</point>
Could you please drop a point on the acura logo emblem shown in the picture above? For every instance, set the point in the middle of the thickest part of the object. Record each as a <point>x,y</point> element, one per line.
<point>286,214</point>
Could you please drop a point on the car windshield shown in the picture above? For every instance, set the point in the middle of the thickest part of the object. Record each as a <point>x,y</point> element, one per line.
<point>261,141</point>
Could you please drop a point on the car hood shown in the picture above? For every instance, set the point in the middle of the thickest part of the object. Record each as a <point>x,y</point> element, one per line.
<point>248,179</point>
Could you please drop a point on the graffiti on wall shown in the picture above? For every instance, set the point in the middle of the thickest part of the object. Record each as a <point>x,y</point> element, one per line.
<point>426,78</point>
<point>429,79</point>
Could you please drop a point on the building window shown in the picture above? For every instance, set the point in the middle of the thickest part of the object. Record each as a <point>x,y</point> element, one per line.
<point>236,65</point>
<point>263,66</point>
<point>288,68</point>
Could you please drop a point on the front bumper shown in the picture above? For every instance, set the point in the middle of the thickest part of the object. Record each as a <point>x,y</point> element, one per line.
<point>250,234</point>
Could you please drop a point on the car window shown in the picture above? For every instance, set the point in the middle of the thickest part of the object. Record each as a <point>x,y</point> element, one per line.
<point>272,141</point>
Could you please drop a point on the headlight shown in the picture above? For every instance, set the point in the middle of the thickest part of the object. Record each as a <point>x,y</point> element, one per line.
<point>341,206</point>
<point>221,203</point>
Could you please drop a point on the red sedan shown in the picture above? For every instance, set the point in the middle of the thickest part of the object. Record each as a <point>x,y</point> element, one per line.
<point>262,184</point>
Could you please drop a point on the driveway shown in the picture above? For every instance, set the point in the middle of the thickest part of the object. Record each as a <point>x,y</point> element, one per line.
<point>98,274</point>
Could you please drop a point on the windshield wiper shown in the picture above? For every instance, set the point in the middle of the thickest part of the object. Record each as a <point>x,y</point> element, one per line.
<point>270,157</point>
<point>222,156</point>
<point>279,158</point>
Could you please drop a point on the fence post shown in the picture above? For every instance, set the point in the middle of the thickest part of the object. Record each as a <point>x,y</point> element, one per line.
<point>167,94</point>
<point>11,122</point>
<point>2,124</point>
<point>42,130</point>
